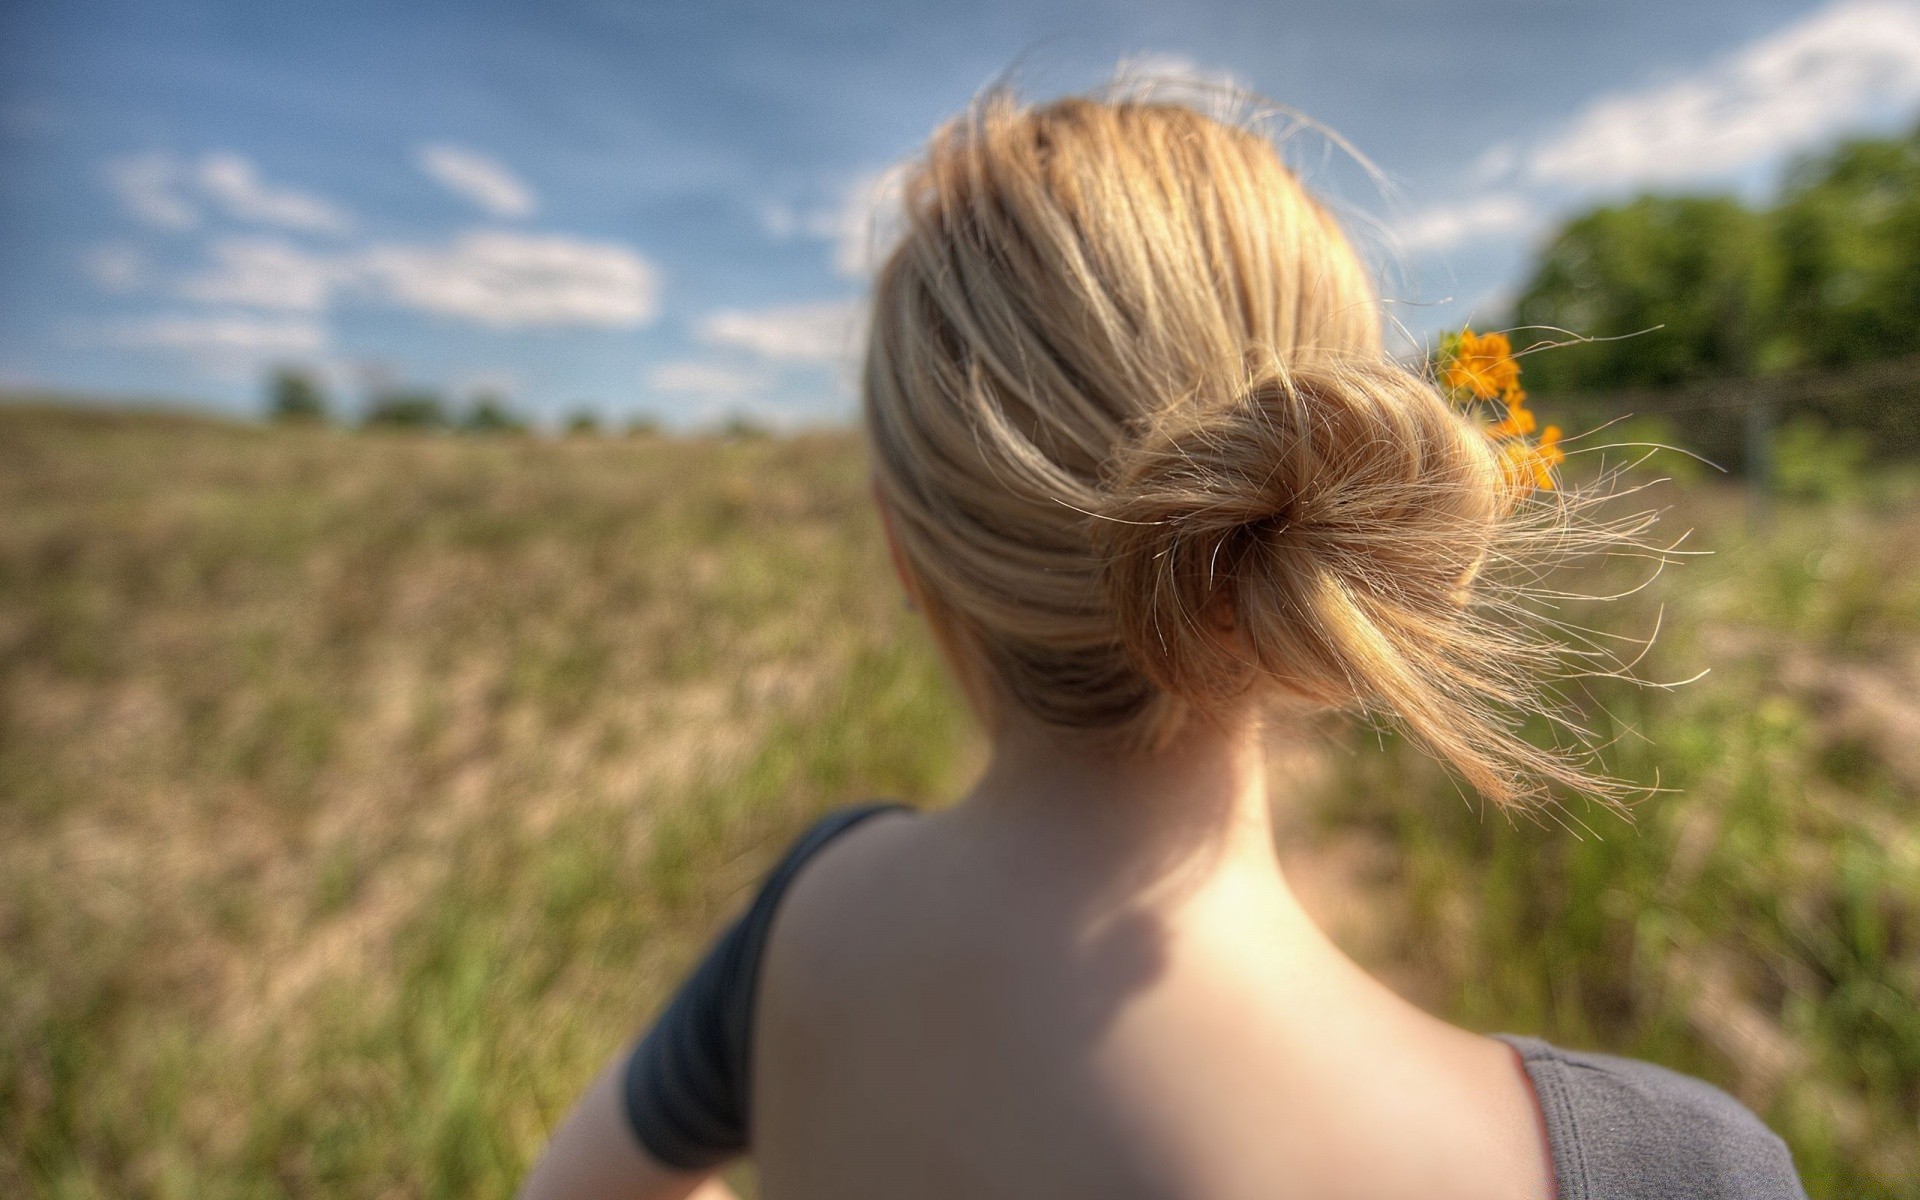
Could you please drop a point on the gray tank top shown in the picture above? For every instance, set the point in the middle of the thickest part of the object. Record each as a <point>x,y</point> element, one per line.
<point>1618,1128</point>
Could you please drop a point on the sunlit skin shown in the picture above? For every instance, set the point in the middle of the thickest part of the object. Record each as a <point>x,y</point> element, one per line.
<point>1087,977</point>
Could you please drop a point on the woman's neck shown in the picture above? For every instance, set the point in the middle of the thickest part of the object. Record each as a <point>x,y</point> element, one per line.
<point>1142,825</point>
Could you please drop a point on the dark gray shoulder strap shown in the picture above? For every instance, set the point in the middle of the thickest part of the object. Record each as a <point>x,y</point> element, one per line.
<point>687,1079</point>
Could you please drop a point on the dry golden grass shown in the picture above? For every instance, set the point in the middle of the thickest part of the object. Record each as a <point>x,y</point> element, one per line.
<point>360,793</point>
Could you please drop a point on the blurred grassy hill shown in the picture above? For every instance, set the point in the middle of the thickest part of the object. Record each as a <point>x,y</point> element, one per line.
<point>360,792</point>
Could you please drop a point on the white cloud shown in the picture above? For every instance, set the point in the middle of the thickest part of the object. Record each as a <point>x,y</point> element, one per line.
<point>1498,214</point>
<point>862,223</point>
<point>514,280</point>
<point>482,180</point>
<point>1153,72</point>
<point>117,267</point>
<point>496,278</point>
<point>264,334</point>
<point>235,184</point>
<point>707,380</point>
<point>821,332</point>
<point>1494,303</point>
<point>225,346</point>
<point>1846,63</point>
<point>493,278</point>
<point>498,381</point>
<point>781,220</point>
<point>1495,163</point>
<point>872,221</point>
<point>166,192</point>
<point>266,273</point>
<point>150,188</point>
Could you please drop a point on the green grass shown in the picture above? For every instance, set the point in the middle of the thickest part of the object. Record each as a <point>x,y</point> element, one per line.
<point>1759,923</point>
<point>363,793</point>
<point>360,794</point>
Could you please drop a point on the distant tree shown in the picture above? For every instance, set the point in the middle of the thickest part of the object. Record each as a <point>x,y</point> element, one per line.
<point>643,425</point>
<point>293,395</point>
<point>582,422</point>
<point>490,414</point>
<point>1847,284</point>
<point>407,408</point>
<point>1688,269</point>
<point>742,427</point>
<point>1829,276</point>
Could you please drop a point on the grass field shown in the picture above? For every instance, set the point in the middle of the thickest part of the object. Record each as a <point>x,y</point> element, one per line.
<point>359,794</point>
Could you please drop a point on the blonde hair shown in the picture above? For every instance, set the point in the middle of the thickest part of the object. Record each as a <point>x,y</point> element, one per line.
<point>1147,461</point>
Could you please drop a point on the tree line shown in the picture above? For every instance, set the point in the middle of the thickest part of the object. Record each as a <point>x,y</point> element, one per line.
<point>1825,278</point>
<point>1690,288</point>
<point>296,396</point>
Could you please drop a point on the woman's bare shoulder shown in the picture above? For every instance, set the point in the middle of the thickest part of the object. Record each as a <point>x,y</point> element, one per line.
<point>852,890</point>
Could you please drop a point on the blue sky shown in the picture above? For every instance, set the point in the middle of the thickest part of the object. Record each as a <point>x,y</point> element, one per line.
<point>658,208</point>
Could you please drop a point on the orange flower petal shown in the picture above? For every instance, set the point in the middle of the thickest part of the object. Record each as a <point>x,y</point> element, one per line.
<point>1482,364</point>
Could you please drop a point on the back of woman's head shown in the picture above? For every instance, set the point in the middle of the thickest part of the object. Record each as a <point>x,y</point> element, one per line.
<point>1147,462</point>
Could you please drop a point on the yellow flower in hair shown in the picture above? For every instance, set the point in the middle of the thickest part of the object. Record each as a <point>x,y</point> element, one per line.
<point>1519,420</point>
<point>1548,448</point>
<point>1528,465</point>
<point>1482,366</point>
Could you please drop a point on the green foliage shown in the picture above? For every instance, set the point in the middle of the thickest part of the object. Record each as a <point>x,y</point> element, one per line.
<point>1688,265</point>
<point>406,409</point>
<point>1828,277</point>
<point>583,422</point>
<point>294,395</point>
<point>1758,921</point>
<point>1656,443</point>
<point>741,427</point>
<point>1811,463</point>
<point>363,795</point>
<point>1848,247</point>
<point>490,414</point>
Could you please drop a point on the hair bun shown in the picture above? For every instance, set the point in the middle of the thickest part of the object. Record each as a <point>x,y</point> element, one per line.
<point>1317,530</point>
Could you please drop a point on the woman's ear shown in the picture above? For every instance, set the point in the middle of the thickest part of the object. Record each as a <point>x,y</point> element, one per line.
<point>908,584</point>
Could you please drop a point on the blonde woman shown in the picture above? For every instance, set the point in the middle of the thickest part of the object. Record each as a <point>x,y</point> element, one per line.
<point>1150,479</point>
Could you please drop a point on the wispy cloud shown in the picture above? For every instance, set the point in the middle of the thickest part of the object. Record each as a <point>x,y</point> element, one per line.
<point>1849,63</point>
<point>1497,214</point>
<point>235,184</point>
<point>256,272</point>
<point>860,223</point>
<point>497,279</point>
<point>484,181</point>
<point>1155,71</point>
<point>820,332</point>
<point>168,192</point>
<point>151,187</point>
<point>706,380</point>
<point>516,280</point>
<point>117,267</point>
<point>227,346</point>
<point>1844,64</point>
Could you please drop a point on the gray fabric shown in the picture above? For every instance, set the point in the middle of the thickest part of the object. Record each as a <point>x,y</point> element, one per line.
<point>1626,1129</point>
